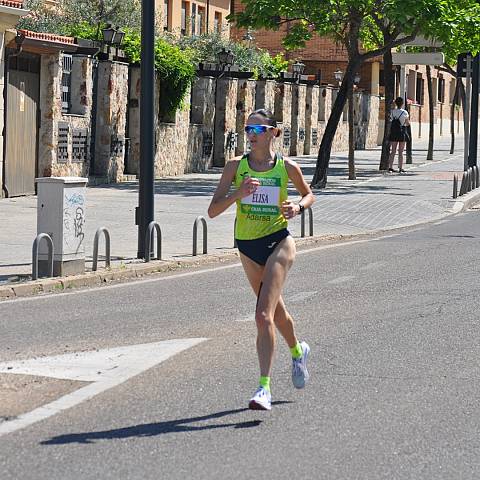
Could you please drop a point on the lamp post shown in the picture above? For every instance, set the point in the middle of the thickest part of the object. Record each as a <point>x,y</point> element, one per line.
<point>145,210</point>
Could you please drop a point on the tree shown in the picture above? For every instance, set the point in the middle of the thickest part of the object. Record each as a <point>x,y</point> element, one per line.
<point>68,13</point>
<point>378,25</point>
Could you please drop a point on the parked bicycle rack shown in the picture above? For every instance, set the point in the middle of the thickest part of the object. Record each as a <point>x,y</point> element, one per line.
<point>36,244</point>
<point>95,248</point>
<point>149,241</point>
<point>195,230</point>
<point>310,222</point>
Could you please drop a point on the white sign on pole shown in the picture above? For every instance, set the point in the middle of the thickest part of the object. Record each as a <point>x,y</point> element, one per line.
<point>434,58</point>
<point>424,42</point>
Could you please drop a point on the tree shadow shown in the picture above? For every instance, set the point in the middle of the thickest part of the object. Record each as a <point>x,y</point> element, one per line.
<point>160,428</point>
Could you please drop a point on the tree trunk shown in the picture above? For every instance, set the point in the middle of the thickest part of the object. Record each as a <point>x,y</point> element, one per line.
<point>389,94</point>
<point>452,115</point>
<point>431,131</point>
<point>351,136</point>
<point>320,176</point>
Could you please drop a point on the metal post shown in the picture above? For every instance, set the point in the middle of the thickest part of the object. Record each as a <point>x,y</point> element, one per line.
<point>149,237</point>
<point>145,211</point>
<point>468,95</point>
<point>107,248</point>
<point>36,244</point>
<point>472,154</point>
<point>455,186</point>
<point>195,230</point>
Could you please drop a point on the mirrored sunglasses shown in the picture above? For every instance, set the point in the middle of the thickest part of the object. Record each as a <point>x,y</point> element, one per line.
<point>257,129</point>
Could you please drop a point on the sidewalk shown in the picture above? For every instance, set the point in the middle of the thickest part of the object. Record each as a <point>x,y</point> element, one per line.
<point>374,202</point>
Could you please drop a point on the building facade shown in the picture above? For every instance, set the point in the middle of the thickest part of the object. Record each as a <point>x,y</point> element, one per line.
<point>194,17</point>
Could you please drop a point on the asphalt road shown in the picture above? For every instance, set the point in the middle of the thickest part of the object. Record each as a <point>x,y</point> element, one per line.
<point>395,366</point>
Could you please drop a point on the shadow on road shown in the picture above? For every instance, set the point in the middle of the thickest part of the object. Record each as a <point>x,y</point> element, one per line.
<point>160,428</point>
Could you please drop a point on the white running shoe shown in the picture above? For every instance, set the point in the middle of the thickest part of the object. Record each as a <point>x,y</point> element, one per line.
<point>262,400</point>
<point>300,374</point>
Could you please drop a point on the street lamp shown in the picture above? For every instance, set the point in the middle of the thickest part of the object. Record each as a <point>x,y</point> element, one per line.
<point>113,36</point>
<point>225,58</point>
<point>338,74</point>
<point>298,68</point>
<point>356,79</point>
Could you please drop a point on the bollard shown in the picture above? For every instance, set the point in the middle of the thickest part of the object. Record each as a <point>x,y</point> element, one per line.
<point>463,185</point>
<point>469,179</point>
<point>302,224</point>
<point>149,241</point>
<point>455,186</point>
<point>95,248</point>
<point>195,229</point>
<point>36,244</point>
<point>477,176</point>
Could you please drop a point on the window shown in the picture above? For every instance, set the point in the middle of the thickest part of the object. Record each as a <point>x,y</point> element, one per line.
<point>411,85</point>
<point>420,84</point>
<point>194,19</point>
<point>441,89</point>
<point>217,22</point>
<point>185,10</point>
<point>201,20</point>
<point>166,15</point>
<point>67,63</point>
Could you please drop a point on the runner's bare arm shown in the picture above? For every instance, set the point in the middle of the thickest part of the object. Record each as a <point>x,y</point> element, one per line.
<point>222,199</point>
<point>289,208</point>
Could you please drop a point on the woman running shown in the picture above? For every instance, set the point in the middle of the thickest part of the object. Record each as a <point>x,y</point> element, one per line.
<point>267,250</point>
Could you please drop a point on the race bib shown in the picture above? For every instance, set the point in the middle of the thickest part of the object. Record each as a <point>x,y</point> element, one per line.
<point>265,200</point>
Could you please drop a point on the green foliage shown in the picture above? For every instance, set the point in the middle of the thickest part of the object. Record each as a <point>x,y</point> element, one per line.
<point>205,48</point>
<point>176,72</point>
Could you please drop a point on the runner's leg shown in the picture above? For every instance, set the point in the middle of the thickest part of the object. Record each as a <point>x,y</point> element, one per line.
<point>274,276</point>
<point>283,320</point>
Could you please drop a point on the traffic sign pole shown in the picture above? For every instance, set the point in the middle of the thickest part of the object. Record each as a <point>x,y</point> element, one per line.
<point>472,154</point>
<point>468,94</point>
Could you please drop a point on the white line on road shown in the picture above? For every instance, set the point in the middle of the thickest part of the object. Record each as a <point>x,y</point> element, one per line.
<point>106,368</point>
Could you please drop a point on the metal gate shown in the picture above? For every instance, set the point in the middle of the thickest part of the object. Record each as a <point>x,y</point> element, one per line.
<point>21,129</point>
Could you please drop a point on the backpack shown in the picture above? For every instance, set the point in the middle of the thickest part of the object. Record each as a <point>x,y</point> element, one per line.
<point>396,128</point>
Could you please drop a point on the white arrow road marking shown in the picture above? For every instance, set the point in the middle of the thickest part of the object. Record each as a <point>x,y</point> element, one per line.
<point>300,297</point>
<point>339,280</point>
<point>105,368</point>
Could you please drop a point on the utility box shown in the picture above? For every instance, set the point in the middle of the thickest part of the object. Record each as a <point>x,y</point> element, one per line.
<point>61,212</point>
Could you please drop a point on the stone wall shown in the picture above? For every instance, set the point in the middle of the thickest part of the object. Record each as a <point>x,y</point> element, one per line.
<point>111,120</point>
<point>52,161</point>
<point>299,96</point>
<point>283,116</point>
<point>184,145</point>
<point>225,138</point>
<point>312,140</point>
<point>245,106</point>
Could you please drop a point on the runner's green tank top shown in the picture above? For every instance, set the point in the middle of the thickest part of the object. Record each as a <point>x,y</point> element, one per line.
<point>259,214</point>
